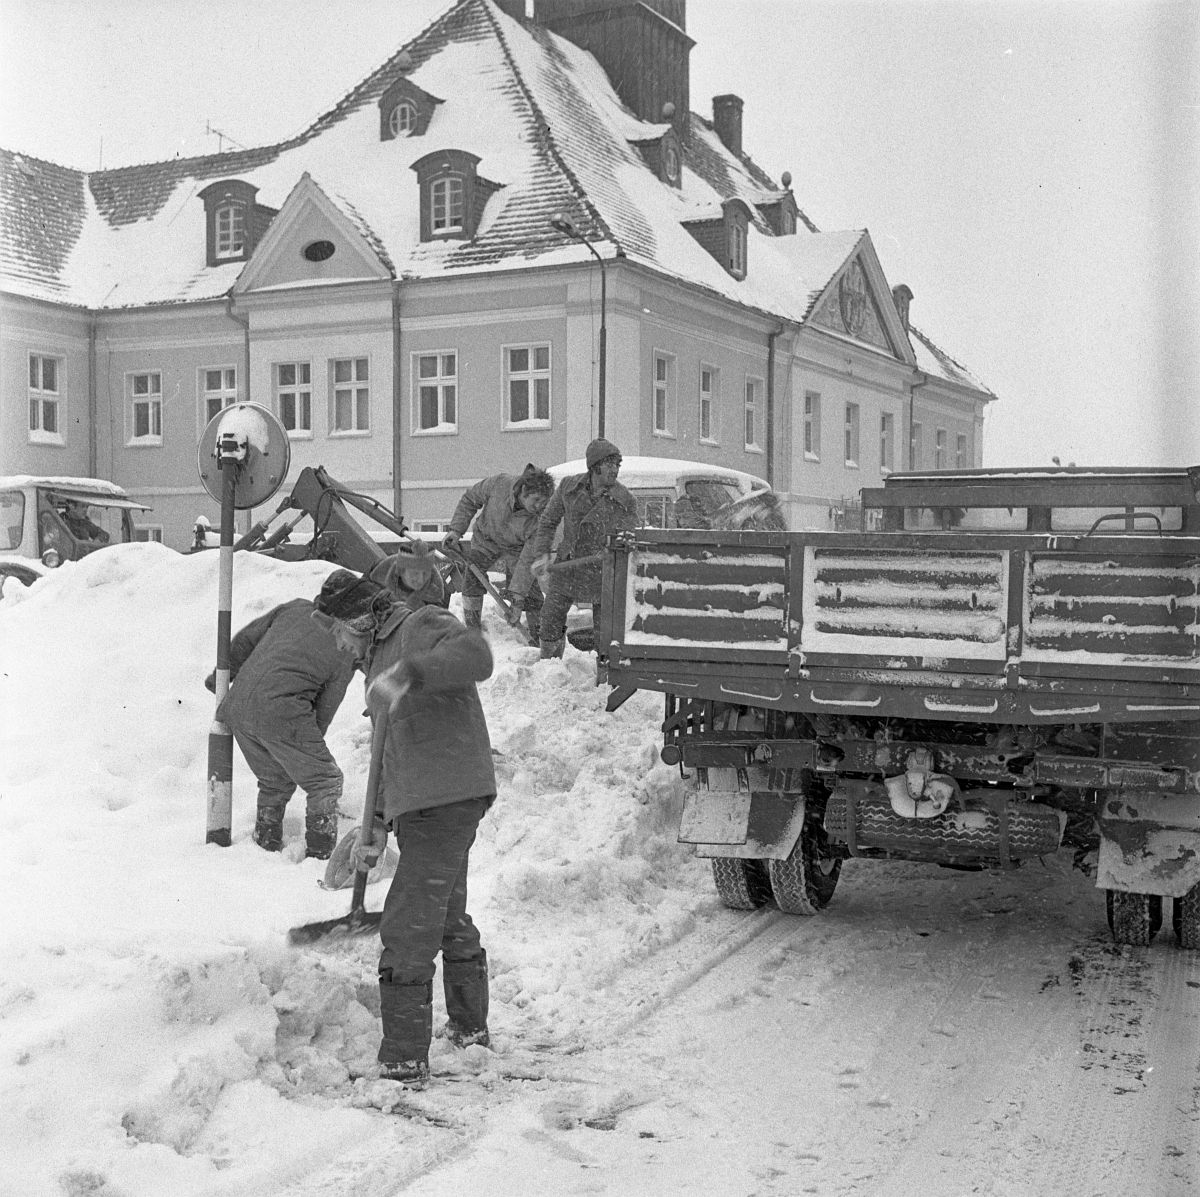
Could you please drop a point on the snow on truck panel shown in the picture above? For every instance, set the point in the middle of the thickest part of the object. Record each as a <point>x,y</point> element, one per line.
<point>937,606</point>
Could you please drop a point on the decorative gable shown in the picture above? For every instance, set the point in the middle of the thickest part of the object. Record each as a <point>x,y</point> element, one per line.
<point>233,222</point>
<point>453,194</point>
<point>314,239</point>
<point>851,308</point>
<point>405,110</point>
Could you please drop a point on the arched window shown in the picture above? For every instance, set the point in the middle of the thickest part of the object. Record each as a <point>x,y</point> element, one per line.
<point>402,120</point>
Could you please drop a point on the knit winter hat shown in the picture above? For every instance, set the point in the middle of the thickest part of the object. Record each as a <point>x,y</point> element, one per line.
<point>346,596</point>
<point>598,450</point>
<point>411,557</point>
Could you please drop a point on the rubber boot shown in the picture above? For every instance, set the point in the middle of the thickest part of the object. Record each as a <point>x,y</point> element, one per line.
<point>472,611</point>
<point>466,987</point>
<point>268,828</point>
<point>320,836</point>
<point>407,1015</point>
<point>551,649</point>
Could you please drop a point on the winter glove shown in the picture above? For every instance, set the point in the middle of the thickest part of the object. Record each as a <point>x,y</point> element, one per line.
<point>450,542</point>
<point>541,570</point>
<point>516,604</point>
<point>392,684</point>
<point>367,853</point>
<point>210,682</point>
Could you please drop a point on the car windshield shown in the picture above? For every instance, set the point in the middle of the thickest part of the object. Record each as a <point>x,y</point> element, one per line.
<point>12,519</point>
<point>710,495</point>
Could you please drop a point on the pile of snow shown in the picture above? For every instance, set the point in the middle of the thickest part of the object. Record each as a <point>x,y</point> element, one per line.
<point>158,1035</point>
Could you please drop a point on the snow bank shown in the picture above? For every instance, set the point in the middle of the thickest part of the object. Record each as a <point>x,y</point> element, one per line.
<point>158,1036</point>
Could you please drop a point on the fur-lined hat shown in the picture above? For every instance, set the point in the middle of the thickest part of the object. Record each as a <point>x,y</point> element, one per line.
<point>346,595</point>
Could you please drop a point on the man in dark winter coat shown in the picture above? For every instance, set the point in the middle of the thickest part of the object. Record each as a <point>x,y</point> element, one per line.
<point>590,507</point>
<point>437,782</point>
<point>287,680</point>
<point>505,508</point>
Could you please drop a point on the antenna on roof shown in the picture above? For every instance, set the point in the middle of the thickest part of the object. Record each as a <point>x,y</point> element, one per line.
<point>221,138</point>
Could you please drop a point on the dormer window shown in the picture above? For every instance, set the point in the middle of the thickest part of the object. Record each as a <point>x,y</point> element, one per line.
<point>446,200</point>
<point>736,224</point>
<point>405,110</point>
<point>403,119</point>
<point>233,221</point>
<point>453,195</point>
<point>231,231</point>
<point>664,156</point>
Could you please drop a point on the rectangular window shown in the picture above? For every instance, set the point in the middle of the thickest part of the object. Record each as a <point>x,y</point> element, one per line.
<point>45,397</point>
<point>435,392</point>
<point>662,415</point>
<point>351,395</point>
<point>231,231</point>
<point>961,459</point>
<point>709,382</point>
<point>852,431</point>
<point>737,249</point>
<point>218,390</point>
<point>293,397</point>
<point>812,425</point>
<point>145,407</point>
<point>527,386</point>
<point>914,447</point>
<point>887,442</point>
<point>939,449</point>
<point>754,389</point>
<point>446,204</point>
<point>150,533</point>
<point>431,526</point>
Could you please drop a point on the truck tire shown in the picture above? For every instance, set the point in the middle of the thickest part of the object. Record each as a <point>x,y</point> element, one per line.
<point>1133,918</point>
<point>1186,919</point>
<point>805,881</point>
<point>741,884</point>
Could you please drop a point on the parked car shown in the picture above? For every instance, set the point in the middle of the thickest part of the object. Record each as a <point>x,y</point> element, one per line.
<point>24,569</point>
<point>672,493</point>
<point>51,520</point>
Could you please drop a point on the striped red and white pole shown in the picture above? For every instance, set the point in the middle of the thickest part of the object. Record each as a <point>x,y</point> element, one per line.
<point>220,739</point>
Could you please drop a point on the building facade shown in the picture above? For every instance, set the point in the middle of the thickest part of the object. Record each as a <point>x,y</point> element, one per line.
<point>419,284</point>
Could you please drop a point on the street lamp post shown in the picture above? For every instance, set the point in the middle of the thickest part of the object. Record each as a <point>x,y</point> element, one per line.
<point>563,225</point>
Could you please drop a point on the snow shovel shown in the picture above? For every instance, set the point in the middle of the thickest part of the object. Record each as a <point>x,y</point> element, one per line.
<point>359,921</point>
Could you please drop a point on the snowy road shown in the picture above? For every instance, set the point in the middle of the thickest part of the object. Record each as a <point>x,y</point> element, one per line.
<point>932,1032</point>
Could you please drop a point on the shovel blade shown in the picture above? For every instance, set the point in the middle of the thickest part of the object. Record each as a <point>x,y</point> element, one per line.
<point>356,923</point>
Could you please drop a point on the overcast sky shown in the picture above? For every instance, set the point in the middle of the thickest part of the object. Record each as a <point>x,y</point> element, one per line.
<point>1031,170</point>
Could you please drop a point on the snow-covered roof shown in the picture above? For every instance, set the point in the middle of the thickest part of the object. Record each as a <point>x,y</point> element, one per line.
<point>92,486</point>
<point>551,135</point>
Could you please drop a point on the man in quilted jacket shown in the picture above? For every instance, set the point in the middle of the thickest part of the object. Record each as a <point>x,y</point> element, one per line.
<point>287,680</point>
<point>436,785</point>
<point>589,507</point>
<point>505,508</point>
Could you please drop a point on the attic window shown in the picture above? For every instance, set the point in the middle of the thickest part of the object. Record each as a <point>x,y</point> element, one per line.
<point>318,251</point>
<point>453,195</point>
<point>735,239</point>
<point>230,221</point>
<point>402,120</point>
<point>233,221</point>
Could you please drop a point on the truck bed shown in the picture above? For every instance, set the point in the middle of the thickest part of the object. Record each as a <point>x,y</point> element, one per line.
<point>1021,628</point>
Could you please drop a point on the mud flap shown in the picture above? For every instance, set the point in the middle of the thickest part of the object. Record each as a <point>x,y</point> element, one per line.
<point>753,825</point>
<point>1149,844</point>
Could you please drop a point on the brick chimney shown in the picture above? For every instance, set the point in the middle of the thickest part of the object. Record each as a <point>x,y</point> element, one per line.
<point>902,297</point>
<point>642,46</point>
<point>727,120</point>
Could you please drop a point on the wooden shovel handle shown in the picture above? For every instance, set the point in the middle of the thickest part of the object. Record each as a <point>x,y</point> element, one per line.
<point>378,735</point>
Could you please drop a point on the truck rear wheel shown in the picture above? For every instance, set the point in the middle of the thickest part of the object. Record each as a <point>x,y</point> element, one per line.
<point>1186,919</point>
<point>1133,918</point>
<point>805,881</point>
<point>741,884</point>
